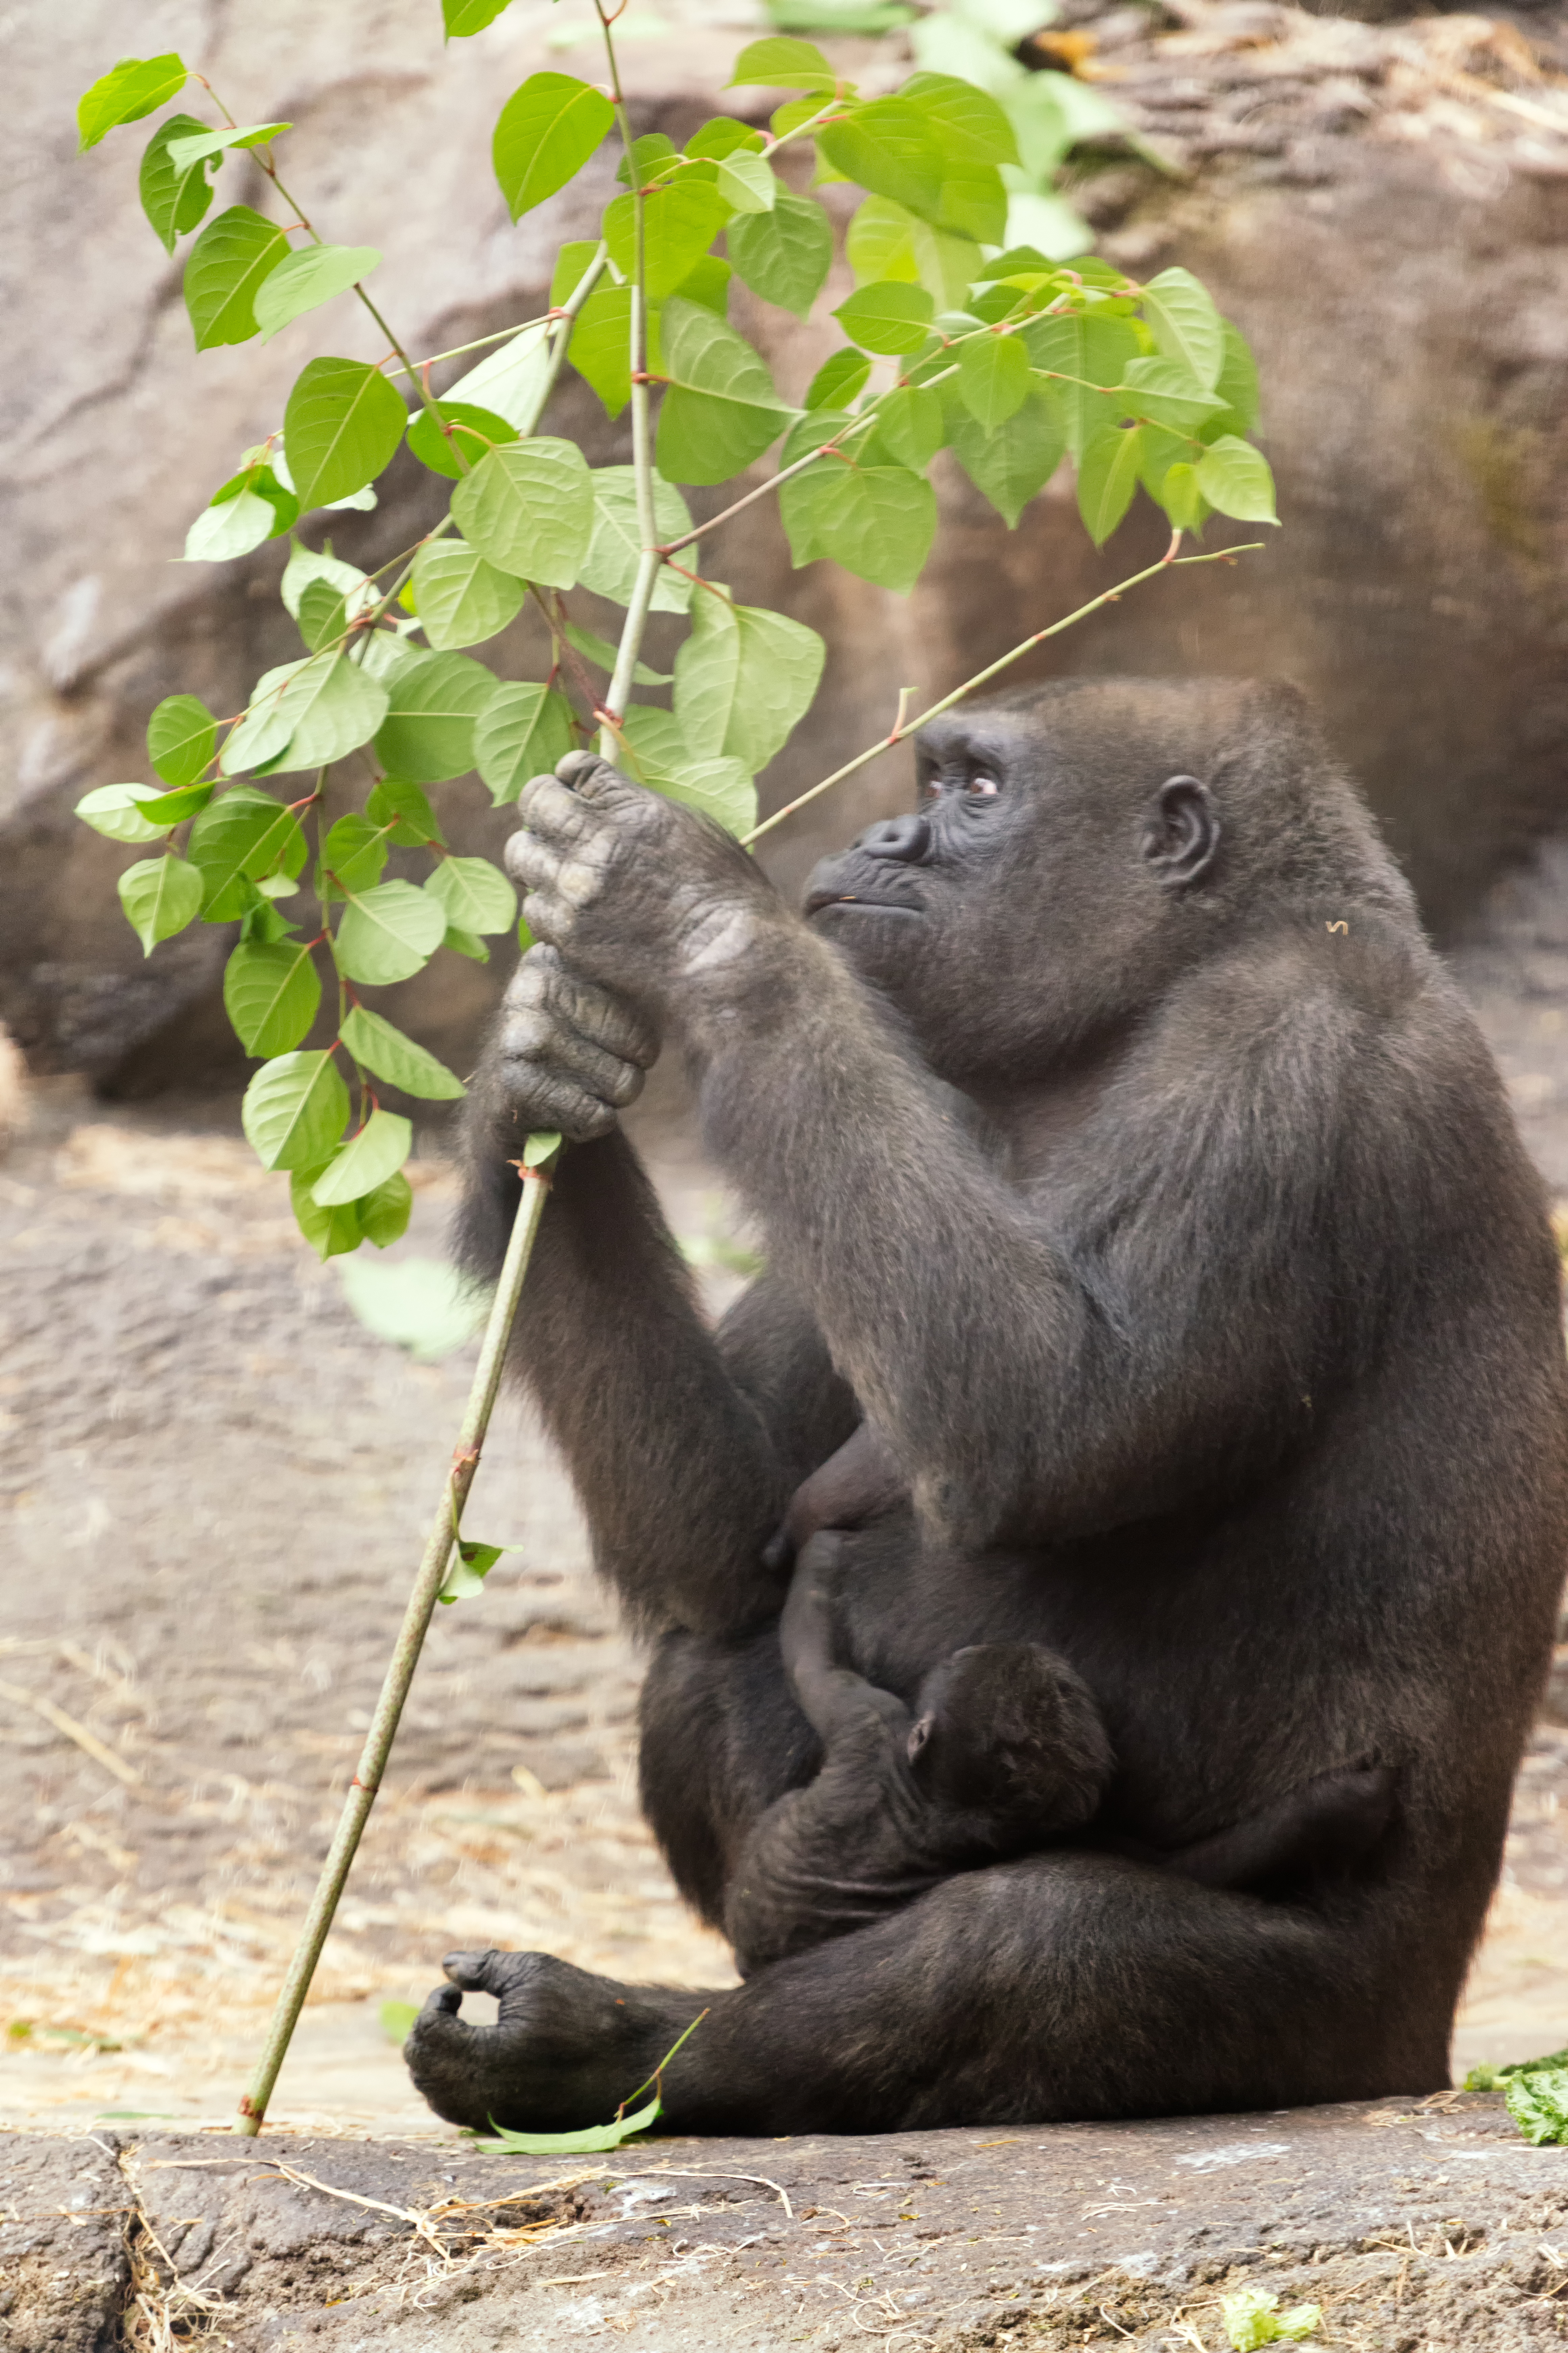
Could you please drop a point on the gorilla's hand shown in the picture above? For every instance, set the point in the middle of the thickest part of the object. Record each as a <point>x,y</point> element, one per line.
<point>643,895</point>
<point>564,2051</point>
<point>570,1054</point>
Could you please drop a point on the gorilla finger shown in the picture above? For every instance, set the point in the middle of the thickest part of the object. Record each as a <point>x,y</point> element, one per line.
<point>555,1102</point>
<point>492,1971</point>
<point>445,2003</point>
<point>594,780</point>
<point>467,1972</point>
<point>551,813</point>
<point>543,981</point>
<point>545,1039</point>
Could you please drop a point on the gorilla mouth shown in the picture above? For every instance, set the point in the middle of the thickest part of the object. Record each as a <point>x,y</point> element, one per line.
<point>818,902</point>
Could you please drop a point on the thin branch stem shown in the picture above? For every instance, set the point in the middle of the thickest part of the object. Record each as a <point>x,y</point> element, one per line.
<point>1170,561</point>
<point>639,604</point>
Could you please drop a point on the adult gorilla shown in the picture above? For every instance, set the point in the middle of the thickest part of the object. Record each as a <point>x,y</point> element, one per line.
<point>1127,1163</point>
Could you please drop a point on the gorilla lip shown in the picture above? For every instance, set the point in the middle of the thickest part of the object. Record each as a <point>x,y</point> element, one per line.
<point>820,901</point>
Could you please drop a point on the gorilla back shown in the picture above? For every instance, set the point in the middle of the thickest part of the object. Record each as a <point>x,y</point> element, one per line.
<point>1124,1156</point>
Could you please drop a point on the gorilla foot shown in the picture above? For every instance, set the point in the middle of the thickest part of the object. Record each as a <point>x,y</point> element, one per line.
<point>566,2050</point>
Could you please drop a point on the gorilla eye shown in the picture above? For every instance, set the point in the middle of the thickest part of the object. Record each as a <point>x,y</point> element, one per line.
<point>984,787</point>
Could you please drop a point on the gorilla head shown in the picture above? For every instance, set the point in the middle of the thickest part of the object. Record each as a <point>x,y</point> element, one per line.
<point>1076,848</point>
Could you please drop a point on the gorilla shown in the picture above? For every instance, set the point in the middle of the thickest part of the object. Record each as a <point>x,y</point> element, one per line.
<point>1131,1175</point>
<point>1003,1750</point>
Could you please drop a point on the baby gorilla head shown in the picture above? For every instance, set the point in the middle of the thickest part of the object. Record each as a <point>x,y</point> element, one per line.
<point>1008,1731</point>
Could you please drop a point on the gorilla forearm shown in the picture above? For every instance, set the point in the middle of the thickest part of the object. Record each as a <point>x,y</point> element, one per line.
<point>681,1483</point>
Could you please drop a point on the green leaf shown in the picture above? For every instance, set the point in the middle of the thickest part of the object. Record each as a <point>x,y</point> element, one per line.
<point>468,434</point>
<point>173,809</point>
<point>1237,384</point>
<point>1537,2100</point>
<point>1090,350</point>
<point>428,732</point>
<point>228,263</point>
<point>387,934</point>
<point>182,736</point>
<point>462,600</point>
<point>466,944</point>
<point>320,709</point>
<point>509,381</point>
<point>330,1232</point>
<point>1163,392</point>
<point>889,316</point>
<point>879,522</point>
<point>784,65</point>
<point>992,379</point>
<point>237,840</point>
<point>402,808</point>
<point>341,426</point>
<point>524,731</point>
<point>462,19</point>
<point>324,615</point>
<point>783,255</point>
<point>174,199</point>
<point>306,279</point>
<point>547,132</point>
<point>708,283</point>
<point>353,856</point>
<point>594,2136</point>
<point>128,91</point>
<point>887,148</point>
<point>1253,2319</point>
<point>383,1212</point>
<point>650,160</point>
<point>377,1153</point>
<point>1106,478</point>
<point>1234,478</point>
<point>160,896</point>
<point>422,1303</point>
<point>305,566</point>
<point>838,381</point>
<point>396,1059</point>
<point>294,1110</point>
<point>968,125</point>
<point>1179,494</point>
<point>747,184</point>
<point>886,240</point>
<point>601,345</point>
<point>720,789</point>
<point>1010,466</point>
<point>910,425</point>
<point>476,895</point>
<point>467,1575</point>
<point>722,135</point>
<point>270,995</point>
<point>721,411</point>
<point>681,218</point>
<point>610,566</point>
<point>742,680</point>
<point>1185,325</point>
<point>115,811</point>
<point>529,509</point>
<point>233,528</point>
<point>199,145</point>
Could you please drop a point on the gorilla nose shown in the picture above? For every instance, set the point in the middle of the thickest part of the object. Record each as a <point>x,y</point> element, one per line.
<point>906,838</point>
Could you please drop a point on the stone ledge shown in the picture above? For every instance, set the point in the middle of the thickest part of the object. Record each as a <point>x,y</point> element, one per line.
<point>1429,2226</point>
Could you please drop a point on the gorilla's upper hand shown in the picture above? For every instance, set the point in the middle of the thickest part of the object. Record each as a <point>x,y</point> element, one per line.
<point>571,1054</point>
<point>639,892</point>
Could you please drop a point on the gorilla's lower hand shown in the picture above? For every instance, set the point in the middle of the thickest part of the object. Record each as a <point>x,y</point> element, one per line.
<point>564,2051</point>
<point>570,1054</point>
<point>636,890</point>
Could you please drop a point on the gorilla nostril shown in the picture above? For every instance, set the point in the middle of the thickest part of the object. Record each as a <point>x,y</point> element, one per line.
<point>906,838</point>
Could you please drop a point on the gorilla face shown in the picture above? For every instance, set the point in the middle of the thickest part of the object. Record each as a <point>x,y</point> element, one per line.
<point>1033,897</point>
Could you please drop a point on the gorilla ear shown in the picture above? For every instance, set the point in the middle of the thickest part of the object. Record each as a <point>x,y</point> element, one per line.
<point>919,1733</point>
<point>1183,832</point>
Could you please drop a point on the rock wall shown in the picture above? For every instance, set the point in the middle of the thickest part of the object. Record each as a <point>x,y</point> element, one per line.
<point>1402,271</point>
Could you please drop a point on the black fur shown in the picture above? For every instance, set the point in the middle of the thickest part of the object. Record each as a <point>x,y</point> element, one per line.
<point>1126,1158</point>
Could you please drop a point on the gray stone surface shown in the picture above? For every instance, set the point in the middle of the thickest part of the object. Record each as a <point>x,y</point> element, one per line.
<point>1431,2227</point>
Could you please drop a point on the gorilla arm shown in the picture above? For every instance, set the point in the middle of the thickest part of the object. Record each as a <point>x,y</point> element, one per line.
<point>682,1450</point>
<point>1026,1396</point>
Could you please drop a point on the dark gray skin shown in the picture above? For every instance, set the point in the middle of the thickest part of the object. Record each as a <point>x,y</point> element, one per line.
<point>1002,1751</point>
<point>1124,1156</point>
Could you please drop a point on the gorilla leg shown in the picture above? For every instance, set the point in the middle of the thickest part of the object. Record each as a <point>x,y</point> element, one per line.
<point>721,1738</point>
<point>1065,1984</point>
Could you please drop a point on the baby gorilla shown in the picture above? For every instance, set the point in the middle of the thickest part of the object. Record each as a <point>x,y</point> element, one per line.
<point>1003,1751</point>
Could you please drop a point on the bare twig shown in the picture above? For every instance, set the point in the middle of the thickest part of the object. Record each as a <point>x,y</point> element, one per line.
<point>87,1742</point>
